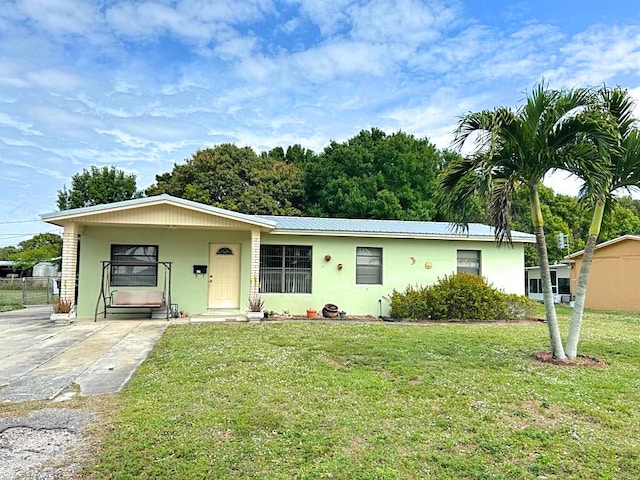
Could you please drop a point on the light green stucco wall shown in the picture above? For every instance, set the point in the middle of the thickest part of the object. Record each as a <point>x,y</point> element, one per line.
<point>184,248</point>
<point>503,267</point>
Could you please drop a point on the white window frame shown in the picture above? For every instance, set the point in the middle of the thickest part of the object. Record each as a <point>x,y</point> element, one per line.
<point>367,260</point>
<point>467,262</point>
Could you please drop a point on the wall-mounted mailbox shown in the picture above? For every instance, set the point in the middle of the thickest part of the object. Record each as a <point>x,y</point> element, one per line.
<point>199,269</point>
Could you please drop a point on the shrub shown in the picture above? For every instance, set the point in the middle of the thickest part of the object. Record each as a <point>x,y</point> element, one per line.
<point>409,304</point>
<point>463,297</point>
<point>517,307</point>
<point>459,296</point>
<point>62,306</point>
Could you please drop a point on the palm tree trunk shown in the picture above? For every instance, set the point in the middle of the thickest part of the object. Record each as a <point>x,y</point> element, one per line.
<point>581,289</point>
<point>545,275</point>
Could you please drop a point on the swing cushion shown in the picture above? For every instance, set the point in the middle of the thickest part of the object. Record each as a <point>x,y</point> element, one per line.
<point>137,298</point>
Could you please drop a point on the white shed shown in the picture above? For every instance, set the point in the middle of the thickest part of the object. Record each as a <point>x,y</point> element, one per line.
<point>45,269</point>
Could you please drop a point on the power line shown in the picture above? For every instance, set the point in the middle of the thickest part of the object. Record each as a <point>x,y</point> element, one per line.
<point>20,221</point>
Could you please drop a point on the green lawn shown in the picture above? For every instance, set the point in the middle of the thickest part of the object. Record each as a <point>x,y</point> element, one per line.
<point>10,300</point>
<point>379,401</point>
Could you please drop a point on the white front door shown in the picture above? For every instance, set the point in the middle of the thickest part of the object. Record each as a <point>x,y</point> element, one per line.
<point>224,275</point>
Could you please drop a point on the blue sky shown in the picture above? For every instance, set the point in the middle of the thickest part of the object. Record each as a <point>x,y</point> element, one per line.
<point>143,84</point>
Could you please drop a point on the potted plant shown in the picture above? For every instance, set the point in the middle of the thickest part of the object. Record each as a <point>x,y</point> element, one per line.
<point>255,304</point>
<point>312,312</point>
<point>63,313</point>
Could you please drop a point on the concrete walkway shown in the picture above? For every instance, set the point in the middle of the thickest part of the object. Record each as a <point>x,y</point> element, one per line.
<point>41,361</point>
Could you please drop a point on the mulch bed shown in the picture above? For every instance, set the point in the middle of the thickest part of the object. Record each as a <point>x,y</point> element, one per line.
<point>581,361</point>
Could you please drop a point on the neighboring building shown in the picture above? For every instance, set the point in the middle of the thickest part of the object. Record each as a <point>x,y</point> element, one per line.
<point>560,282</point>
<point>613,281</point>
<point>220,258</point>
<point>45,269</point>
<point>7,269</point>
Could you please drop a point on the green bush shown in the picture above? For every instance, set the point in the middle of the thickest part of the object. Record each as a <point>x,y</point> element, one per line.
<point>463,297</point>
<point>459,297</point>
<point>412,303</point>
<point>517,307</point>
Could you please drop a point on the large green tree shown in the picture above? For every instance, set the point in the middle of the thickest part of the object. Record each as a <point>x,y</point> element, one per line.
<point>237,179</point>
<point>374,175</point>
<point>98,186</point>
<point>624,169</point>
<point>515,149</point>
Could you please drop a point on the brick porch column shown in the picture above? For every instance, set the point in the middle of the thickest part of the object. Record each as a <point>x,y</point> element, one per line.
<point>69,262</point>
<point>254,286</point>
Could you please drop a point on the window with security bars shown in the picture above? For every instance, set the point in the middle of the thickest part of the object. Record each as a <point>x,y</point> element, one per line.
<point>134,265</point>
<point>368,266</point>
<point>285,268</point>
<point>469,262</point>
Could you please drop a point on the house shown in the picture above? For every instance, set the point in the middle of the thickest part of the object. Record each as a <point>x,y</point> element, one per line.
<point>614,272</point>
<point>560,282</point>
<point>211,259</point>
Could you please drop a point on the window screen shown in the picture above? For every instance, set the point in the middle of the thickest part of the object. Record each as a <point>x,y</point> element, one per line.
<point>134,265</point>
<point>368,266</point>
<point>469,261</point>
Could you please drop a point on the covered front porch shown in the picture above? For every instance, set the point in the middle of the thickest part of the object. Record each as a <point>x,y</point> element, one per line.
<point>214,253</point>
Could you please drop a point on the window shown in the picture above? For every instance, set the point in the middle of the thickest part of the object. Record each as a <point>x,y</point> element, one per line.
<point>134,265</point>
<point>368,266</point>
<point>285,269</point>
<point>535,285</point>
<point>564,286</point>
<point>469,261</point>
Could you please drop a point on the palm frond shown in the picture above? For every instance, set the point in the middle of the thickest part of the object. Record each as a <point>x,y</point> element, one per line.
<point>500,208</point>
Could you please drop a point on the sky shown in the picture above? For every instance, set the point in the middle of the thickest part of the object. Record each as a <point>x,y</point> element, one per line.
<point>142,85</point>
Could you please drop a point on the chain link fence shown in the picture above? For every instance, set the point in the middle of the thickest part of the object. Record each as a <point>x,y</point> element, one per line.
<point>28,291</point>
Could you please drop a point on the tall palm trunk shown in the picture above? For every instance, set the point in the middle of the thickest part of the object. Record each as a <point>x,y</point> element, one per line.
<point>581,290</point>
<point>545,275</point>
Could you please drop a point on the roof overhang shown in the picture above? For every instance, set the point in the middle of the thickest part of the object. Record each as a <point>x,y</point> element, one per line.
<point>161,210</point>
<point>605,244</point>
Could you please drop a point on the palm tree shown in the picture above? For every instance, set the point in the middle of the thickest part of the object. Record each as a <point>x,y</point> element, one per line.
<point>624,175</point>
<point>554,129</point>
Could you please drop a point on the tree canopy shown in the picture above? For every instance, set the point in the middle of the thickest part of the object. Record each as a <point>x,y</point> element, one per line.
<point>237,179</point>
<point>374,175</point>
<point>98,186</point>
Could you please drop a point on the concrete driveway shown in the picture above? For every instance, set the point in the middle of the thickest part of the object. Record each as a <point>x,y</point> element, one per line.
<point>41,361</point>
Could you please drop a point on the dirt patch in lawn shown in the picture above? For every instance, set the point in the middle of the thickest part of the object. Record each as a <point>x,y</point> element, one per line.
<point>580,361</point>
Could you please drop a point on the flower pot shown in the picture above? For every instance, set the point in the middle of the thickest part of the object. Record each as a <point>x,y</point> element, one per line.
<point>330,310</point>
<point>63,318</point>
<point>255,316</point>
<point>312,313</point>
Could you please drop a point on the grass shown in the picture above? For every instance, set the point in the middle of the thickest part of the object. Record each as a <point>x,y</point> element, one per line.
<point>10,300</point>
<point>378,401</point>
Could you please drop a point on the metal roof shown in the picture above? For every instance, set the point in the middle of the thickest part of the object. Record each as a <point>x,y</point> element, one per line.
<point>308,225</point>
<point>368,227</point>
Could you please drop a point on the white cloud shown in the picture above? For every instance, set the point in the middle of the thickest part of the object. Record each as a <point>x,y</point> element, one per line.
<point>22,127</point>
<point>61,16</point>
<point>598,55</point>
<point>54,79</point>
<point>407,22</point>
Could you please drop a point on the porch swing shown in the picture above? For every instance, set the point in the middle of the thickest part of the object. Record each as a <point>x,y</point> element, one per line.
<point>135,296</point>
